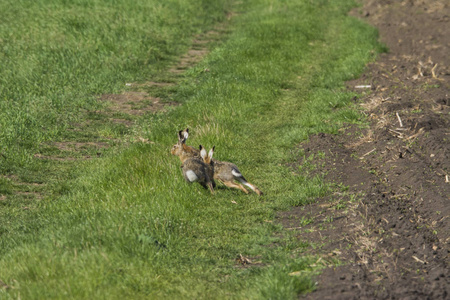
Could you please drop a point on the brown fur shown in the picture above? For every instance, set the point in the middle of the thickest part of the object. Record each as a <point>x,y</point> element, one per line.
<point>222,170</point>
<point>207,161</point>
<point>190,162</point>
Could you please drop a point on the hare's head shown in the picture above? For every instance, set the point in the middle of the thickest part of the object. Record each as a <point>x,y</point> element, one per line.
<point>180,149</point>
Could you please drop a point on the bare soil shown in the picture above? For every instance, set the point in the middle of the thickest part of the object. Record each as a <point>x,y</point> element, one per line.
<point>390,226</point>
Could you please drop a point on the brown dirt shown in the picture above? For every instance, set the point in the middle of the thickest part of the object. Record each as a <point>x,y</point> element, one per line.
<point>134,103</point>
<point>199,48</point>
<point>390,228</point>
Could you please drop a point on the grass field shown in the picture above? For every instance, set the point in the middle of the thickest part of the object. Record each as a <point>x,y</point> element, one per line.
<point>126,224</point>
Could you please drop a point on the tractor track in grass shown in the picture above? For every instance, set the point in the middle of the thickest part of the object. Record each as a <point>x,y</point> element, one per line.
<point>140,97</point>
<point>390,226</point>
<point>137,100</point>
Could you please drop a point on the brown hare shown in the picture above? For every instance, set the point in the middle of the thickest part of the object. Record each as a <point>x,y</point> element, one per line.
<point>225,172</point>
<point>194,168</point>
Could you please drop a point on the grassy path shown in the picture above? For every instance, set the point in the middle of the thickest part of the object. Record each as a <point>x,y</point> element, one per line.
<point>129,226</point>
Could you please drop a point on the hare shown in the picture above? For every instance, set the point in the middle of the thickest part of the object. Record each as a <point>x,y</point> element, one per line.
<point>194,168</point>
<point>225,172</point>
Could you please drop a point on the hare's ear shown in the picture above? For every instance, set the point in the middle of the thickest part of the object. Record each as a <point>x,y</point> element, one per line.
<point>211,152</point>
<point>202,152</point>
<point>186,134</point>
<point>181,137</point>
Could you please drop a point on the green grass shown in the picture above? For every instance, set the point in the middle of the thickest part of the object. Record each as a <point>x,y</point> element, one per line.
<point>128,226</point>
<point>57,56</point>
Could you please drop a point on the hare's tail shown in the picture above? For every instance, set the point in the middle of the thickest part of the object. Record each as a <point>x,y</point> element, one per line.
<point>238,176</point>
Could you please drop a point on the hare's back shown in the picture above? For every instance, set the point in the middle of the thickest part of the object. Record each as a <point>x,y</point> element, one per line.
<point>226,171</point>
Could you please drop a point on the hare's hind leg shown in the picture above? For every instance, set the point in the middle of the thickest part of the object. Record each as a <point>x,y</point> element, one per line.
<point>245,182</point>
<point>231,184</point>
<point>238,176</point>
